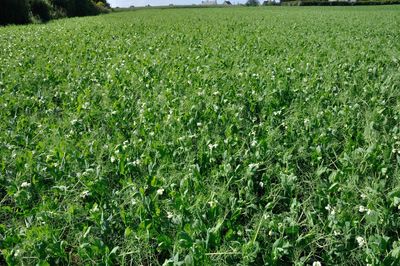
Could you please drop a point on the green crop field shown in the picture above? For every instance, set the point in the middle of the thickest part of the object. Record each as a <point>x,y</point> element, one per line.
<point>224,136</point>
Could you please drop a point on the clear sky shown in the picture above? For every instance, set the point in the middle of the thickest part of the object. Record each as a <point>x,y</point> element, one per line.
<point>127,3</point>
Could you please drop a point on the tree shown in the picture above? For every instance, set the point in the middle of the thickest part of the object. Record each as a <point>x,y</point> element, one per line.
<point>41,9</point>
<point>14,12</point>
<point>22,11</point>
<point>80,8</point>
<point>106,4</point>
<point>252,3</point>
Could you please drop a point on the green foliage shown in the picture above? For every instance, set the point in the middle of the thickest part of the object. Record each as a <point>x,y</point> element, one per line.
<point>20,11</point>
<point>103,3</point>
<point>103,7</point>
<point>252,3</point>
<point>337,3</point>
<point>41,9</point>
<point>14,12</point>
<point>237,136</point>
<point>79,8</point>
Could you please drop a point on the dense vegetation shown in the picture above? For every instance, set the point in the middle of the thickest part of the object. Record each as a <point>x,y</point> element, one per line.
<point>202,136</point>
<point>25,11</point>
<point>339,2</point>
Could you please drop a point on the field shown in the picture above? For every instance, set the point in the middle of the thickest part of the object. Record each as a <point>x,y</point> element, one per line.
<point>251,136</point>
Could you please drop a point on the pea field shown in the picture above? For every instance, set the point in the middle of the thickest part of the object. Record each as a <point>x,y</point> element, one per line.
<point>212,136</point>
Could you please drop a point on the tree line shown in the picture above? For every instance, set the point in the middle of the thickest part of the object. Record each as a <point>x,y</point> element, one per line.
<point>26,11</point>
<point>322,2</point>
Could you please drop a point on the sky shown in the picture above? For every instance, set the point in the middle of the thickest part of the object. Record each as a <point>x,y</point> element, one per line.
<point>127,3</point>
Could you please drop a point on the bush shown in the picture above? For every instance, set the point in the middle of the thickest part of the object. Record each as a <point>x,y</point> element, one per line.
<point>57,13</point>
<point>102,8</point>
<point>77,8</point>
<point>86,8</point>
<point>103,3</point>
<point>20,11</point>
<point>41,9</point>
<point>14,12</point>
<point>252,3</point>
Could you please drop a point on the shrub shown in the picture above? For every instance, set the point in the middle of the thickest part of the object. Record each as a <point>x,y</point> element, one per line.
<point>102,8</point>
<point>104,2</point>
<point>41,9</point>
<point>20,11</point>
<point>14,12</point>
<point>252,3</point>
<point>57,13</point>
<point>77,8</point>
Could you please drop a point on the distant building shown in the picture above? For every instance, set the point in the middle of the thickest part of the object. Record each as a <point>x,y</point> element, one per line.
<point>227,3</point>
<point>209,2</point>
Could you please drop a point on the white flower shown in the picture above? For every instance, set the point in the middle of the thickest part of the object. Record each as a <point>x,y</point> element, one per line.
<point>277,112</point>
<point>261,184</point>
<point>86,105</point>
<point>213,203</point>
<point>254,166</point>
<point>125,144</point>
<point>212,146</point>
<point>253,143</point>
<point>360,241</point>
<point>170,215</point>
<point>330,209</point>
<point>316,263</point>
<point>112,159</point>
<point>84,194</point>
<point>17,253</point>
<point>363,196</point>
<point>160,191</point>
<point>25,184</point>
<point>199,124</point>
<point>362,209</point>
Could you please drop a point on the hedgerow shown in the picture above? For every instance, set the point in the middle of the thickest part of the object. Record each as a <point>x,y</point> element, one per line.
<point>25,11</point>
<point>14,12</point>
